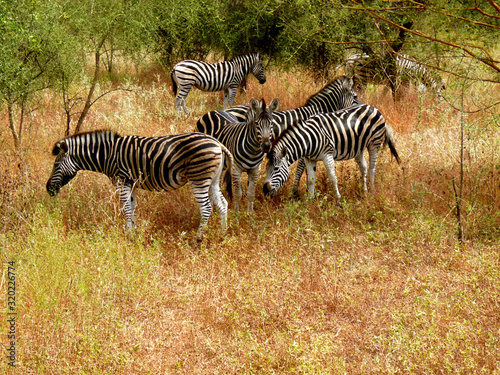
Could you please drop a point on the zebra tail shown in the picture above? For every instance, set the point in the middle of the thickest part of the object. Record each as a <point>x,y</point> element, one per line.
<point>174,83</point>
<point>230,182</point>
<point>389,141</point>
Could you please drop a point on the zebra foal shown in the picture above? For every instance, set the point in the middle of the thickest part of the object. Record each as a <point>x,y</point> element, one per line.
<point>149,163</point>
<point>328,137</point>
<point>222,76</point>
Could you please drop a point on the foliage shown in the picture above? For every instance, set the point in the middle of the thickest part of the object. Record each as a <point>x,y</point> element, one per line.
<point>62,43</point>
<point>372,284</point>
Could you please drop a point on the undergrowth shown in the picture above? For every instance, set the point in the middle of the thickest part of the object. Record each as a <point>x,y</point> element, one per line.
<point>371,284</point>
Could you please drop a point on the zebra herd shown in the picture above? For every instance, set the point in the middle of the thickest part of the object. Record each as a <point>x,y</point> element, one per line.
<point>332,125</point>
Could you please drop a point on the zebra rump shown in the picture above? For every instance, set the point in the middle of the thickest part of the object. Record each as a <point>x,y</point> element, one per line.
<point>329,137</point>
<point>149,163</point>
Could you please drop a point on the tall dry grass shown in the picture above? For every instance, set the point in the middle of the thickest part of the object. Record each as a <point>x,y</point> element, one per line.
<point>378,284</point>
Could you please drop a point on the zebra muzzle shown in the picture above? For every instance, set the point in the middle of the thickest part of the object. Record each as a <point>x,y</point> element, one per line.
<point>262,81</point>
<point>265,145</point>
<point>268,190</point>
<point>52,189</point>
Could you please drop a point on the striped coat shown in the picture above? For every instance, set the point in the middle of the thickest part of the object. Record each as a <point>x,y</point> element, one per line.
<point>149,163</point>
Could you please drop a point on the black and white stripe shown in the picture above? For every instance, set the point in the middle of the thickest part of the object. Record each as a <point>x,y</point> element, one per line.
<point>150,163</point>
<point>247,142</point>
<point>222,76</point>
<point>374,69</point>
<point>336,95</point>
<point>419,75</point>
<point>328,137</point>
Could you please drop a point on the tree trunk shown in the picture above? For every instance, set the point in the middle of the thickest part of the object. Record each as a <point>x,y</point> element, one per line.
<point>88,102</point>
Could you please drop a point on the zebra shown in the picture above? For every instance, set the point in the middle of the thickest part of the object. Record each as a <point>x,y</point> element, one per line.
<point>419,74</point>
<point>377,70</point>
<point>336,95</point>
<point>340,135</point>
<point>149,163</point>
<point>222,76</point>
<point>247,142</point>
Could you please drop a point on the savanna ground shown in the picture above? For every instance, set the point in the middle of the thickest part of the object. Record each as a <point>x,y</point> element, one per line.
<point>376,284</point>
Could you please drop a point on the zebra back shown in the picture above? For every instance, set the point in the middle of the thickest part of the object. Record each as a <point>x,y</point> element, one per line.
<point>336,95</point>
<point>375,69</point>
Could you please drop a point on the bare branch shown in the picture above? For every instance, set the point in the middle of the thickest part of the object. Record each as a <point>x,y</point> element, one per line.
<point>467,49</point>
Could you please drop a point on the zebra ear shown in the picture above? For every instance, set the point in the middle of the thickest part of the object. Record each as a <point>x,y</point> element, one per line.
<point>283,152</point>
<point>254,105</point>
<point>60,146</point>
<point>274,105</point>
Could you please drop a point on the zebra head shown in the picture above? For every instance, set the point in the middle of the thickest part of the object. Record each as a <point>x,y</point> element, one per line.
<point>262,119</point>
<point>258,69</point>
<point>64,168</point>
<point>338,94</point>
<point>277,171</point>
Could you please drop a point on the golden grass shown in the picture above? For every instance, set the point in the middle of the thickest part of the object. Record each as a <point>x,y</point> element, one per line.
<point>374,285</point>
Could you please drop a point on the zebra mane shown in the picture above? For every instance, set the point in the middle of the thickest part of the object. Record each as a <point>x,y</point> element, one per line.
<point>328,87</point>
<point>263,109</point>
<point>244,54</point>
<point>285,131</point>
<point>102,133</point>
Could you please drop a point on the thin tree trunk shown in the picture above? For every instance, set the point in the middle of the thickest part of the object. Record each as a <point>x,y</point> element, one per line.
<point>88,102</point>
<point>12,125</point>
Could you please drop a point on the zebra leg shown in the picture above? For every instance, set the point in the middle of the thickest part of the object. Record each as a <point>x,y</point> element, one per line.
<point>180,101</point>
<point>128,201</point>
<point>329,163</point>
<point>301,164</point>
<point>229,95</point>
<point>201,194</point>
<point>362,169</point>
<point>373,152</point>
<point>226,96</point>
<point>239,190</point>
<point>217,198</point>
<point>253,176</point>
<point>311,177</point>
<point>181,104</point>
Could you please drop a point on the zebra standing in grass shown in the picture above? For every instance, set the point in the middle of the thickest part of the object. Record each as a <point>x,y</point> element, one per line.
<point>219,76</point>
<point>340,135</point>
<point>336,95</point>
<point>376,70</point>
<point>247,142</point>
<point>150,163</point>
<point>419,75</point>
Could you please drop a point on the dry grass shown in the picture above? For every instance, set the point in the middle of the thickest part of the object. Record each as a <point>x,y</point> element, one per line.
<point>375,285</point>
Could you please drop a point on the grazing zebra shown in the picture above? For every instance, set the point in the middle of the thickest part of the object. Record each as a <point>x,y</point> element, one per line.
<point>340,135</point>
<point>336,95</point>
<point>417,73</point>
<point>150,163</point>
<point>219,76</point>
<point>247,142</point>
<point>377,70</point>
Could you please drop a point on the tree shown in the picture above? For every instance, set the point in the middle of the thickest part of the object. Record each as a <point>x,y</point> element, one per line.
<point>101,29</point>
<point>28,51</point>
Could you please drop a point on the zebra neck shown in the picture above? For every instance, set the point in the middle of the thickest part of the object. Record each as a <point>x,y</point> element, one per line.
<point>296,147</point>
<point>252,139</point>
<point>95,152</point>
<point>244,64</point>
